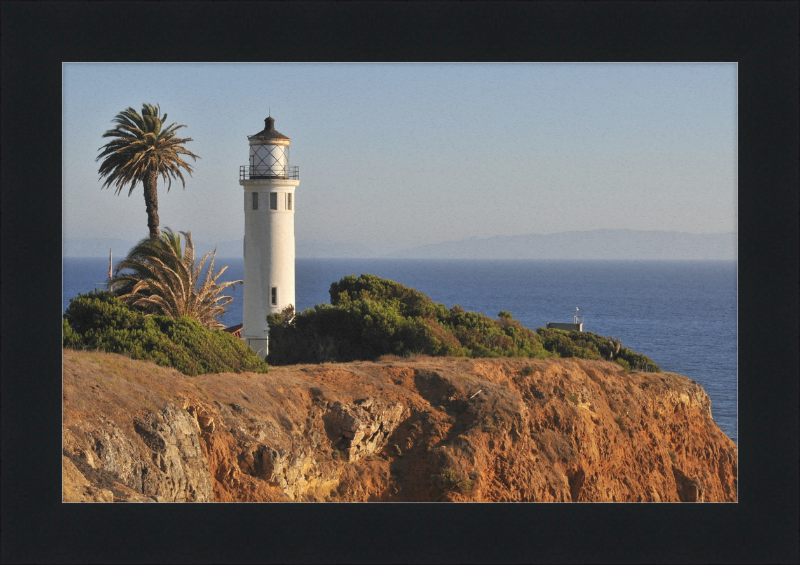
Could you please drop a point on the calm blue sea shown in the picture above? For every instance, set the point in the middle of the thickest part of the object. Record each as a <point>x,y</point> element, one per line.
<point>682,314</point>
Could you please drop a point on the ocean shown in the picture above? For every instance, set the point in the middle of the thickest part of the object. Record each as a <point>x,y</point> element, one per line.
<point>681,314</point>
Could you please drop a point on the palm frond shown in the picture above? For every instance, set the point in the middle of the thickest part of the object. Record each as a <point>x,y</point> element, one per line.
<point>165,279</point>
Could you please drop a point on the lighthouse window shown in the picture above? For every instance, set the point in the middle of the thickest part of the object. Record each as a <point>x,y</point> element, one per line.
<point>273,200</point>
<point>274,295</point>
<point>288,200</point>
<point>255,201</point>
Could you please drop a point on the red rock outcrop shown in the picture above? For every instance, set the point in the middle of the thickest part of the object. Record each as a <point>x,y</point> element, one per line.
<point>420,429</point>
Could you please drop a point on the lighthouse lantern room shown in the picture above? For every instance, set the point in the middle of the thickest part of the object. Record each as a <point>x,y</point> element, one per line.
<point>269,185</point>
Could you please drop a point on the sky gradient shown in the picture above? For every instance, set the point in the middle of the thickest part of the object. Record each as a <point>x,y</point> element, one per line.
<point>399,155</point>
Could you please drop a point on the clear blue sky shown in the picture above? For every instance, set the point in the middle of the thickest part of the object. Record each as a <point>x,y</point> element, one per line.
<point>400,155</point>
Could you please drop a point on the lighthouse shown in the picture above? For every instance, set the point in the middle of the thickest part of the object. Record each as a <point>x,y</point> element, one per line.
<point>269,185</point>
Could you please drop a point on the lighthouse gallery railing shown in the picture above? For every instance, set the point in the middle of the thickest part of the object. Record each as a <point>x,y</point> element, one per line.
<point>247,172</point>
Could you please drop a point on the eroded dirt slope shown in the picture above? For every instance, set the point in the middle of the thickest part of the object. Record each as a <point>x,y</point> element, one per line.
<point>420,429</point>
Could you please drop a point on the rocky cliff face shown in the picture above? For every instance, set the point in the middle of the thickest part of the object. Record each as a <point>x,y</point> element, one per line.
<point>424,429</point>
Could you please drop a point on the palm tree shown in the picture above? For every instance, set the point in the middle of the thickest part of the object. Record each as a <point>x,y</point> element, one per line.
<point>141,150</point>
<point>166,280</point>
<point>166,248</point>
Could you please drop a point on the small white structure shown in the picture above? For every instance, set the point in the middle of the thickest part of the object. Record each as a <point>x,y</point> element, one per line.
<point>269,249</point>
<point>576,325</point>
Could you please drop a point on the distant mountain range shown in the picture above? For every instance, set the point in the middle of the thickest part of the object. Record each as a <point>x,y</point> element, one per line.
<point>333,250</point>
<point>98,247</point>
<point>574,245</point>
<point>590,245</point>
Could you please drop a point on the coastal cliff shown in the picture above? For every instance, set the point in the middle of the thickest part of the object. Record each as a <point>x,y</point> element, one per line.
<point>397,429</point>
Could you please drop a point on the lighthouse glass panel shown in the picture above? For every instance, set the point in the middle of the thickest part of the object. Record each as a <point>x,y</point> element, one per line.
<point>274,296</point>
<point>255,201</point>
<point>273,200</point>
<point>269,161</point>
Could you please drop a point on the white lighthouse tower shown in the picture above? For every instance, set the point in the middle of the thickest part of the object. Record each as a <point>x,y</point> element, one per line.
<point>269,205</point>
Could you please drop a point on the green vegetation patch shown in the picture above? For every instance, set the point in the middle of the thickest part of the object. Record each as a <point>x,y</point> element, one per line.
<point>98,320</point>
<point>587,345</point>
<point>624,364</point>
<point>370,316</point>
<point>450,479</point>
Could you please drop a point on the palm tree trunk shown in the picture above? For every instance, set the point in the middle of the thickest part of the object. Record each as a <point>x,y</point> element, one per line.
<point>151,203</point>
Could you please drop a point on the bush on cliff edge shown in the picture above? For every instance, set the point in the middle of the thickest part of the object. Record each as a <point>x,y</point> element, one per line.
<point>370,316</point>
<point>99,320</point>
<point>587,345</point>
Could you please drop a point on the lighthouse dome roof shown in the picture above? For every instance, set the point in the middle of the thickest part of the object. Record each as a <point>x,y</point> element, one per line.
<point>269,131</point>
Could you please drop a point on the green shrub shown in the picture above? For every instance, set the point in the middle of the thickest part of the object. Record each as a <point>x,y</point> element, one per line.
<point>639,362</point>
<point>572,398</point>
<point>672,456</point>
<point>568,343</point>
<point>450,479</point>
<point>624,364</point>
<point>71,339</point>
<point>98,320</point>
<point>369,317</point>
<point>587,345</point>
